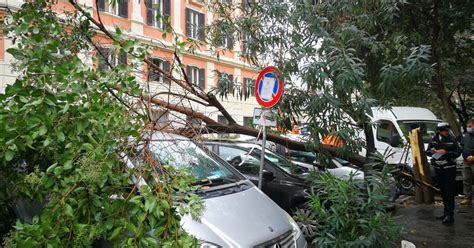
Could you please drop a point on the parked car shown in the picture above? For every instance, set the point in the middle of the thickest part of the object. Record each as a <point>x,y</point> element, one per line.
<point>236,213</point>
<point>340,168</point>
<point>309,161</point>
<point>283,182</point>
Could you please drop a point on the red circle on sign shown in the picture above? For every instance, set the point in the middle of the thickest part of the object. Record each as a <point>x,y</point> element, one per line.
<point>275,96</point>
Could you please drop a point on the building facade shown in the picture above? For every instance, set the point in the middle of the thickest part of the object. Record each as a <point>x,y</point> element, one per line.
<point>136,18</point>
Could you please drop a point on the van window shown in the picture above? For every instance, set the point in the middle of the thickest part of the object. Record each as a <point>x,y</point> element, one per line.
<point>427,128</point>
<point>386,131</point>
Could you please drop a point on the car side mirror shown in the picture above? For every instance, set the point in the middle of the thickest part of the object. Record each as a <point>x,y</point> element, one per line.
<point>267,176</point>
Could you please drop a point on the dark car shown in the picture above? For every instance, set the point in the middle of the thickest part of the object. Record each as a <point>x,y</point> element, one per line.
<point>283,182</point>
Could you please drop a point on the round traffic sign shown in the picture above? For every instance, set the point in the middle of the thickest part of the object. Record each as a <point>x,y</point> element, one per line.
<point>269,87</point>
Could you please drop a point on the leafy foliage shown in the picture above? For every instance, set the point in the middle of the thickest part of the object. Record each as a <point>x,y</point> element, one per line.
<point>65,128</point>
<point>351,213</point>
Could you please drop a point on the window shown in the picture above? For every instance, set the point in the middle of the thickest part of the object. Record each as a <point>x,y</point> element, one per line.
<point>226,78</point>
<point>155,75</point>
<point>246,39</point>
<point>249,87</point>
<point>226,42</point>
<point>160,118</point>
<point>221,119</point>
<point>120,8</point>
<point>186,154</point>
<point>157,8</point>
<point>196,76</point>
<point>193,122</point>
<point>248,4</point>
<point>386,131</point>
<point>427,128</point>
<point>248,121</point>
<point>107,58</point>
<point>194,24</point>
<point>235,156</point>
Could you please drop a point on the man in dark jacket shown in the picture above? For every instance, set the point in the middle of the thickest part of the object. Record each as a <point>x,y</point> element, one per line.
<point>443,150</point>
<point>468,167</point>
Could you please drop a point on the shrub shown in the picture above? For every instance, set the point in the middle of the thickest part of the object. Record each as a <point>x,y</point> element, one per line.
<point>350,213</point>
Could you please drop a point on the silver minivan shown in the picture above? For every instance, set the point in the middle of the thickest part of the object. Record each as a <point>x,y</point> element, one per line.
<point>236,213</point>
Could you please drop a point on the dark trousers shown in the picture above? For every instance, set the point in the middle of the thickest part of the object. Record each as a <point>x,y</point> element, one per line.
<point>446,180</point>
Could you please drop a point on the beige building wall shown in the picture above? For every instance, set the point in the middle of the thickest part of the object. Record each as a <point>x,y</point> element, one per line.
<point>136,27</point>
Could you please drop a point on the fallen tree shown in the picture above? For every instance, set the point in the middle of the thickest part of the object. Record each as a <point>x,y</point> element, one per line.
<point>196,94</point>
<point>207,99</point>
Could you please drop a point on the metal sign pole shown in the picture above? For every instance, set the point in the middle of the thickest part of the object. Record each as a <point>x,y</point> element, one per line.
<point>262,156</point>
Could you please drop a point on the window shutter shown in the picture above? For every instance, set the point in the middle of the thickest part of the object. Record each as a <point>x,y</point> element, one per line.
<point>166,69</point>
<point>102,55</point>
<point>188,74</point>
<point>152,73</point>
<point>167,8</point>
<point>188,22</point>
<point>101,5</point>
<point>123,8</point>
<point>252,87</point>
<point>230,77</point>
<point>244,43</point>
<point>149,12</point>
<point>122,58</point>
<point>230,42</point>
<point>201,26</point>
<point>202,78</point>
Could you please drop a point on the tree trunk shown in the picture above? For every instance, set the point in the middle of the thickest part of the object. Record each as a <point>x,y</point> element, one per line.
<point>355,159</point>
<point>369,139</point>
<point>421,169</point>
<point>440,87</point>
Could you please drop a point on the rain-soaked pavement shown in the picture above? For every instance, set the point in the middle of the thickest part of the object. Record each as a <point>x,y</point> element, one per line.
<point>422,229</point>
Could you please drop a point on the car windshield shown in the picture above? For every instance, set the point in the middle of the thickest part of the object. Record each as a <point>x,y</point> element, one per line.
<point>278,160</point>
<point>185,153</point>
<point>302,156</point>
<point>428,128</point>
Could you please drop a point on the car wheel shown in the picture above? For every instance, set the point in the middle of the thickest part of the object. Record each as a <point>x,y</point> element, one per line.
<point>406,184</point>
<point>304,217</point>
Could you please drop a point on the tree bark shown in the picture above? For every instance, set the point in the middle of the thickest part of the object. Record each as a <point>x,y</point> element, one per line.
<point>291,144</point>
<point>440,87</point>
<point>369,139</point>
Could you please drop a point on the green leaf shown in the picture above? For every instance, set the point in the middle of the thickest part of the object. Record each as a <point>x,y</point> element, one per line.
<point>152,242</point>
<point>15,53</point>
<point>68,165</point>
<point>68,210</point>
<point>42,130</point>
<point>88,147</point>
<point>46,142</point>
<point>8,155</point>
<point>117,231</point>
<point>23,99</point>
<point>61,136</point>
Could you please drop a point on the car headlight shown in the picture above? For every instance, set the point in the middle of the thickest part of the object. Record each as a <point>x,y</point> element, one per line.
<point>296,228</point>
<point>205,244</point>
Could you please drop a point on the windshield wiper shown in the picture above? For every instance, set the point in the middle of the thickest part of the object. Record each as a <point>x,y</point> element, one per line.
<point>214,181</point>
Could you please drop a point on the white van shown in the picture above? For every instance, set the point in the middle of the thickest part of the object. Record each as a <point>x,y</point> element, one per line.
<point>391,128</point>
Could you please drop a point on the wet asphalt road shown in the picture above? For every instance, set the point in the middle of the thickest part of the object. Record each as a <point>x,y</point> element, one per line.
<point>422,229</point>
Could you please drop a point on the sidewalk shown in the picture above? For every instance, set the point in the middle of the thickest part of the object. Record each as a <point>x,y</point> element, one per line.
<point>422,229</point>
